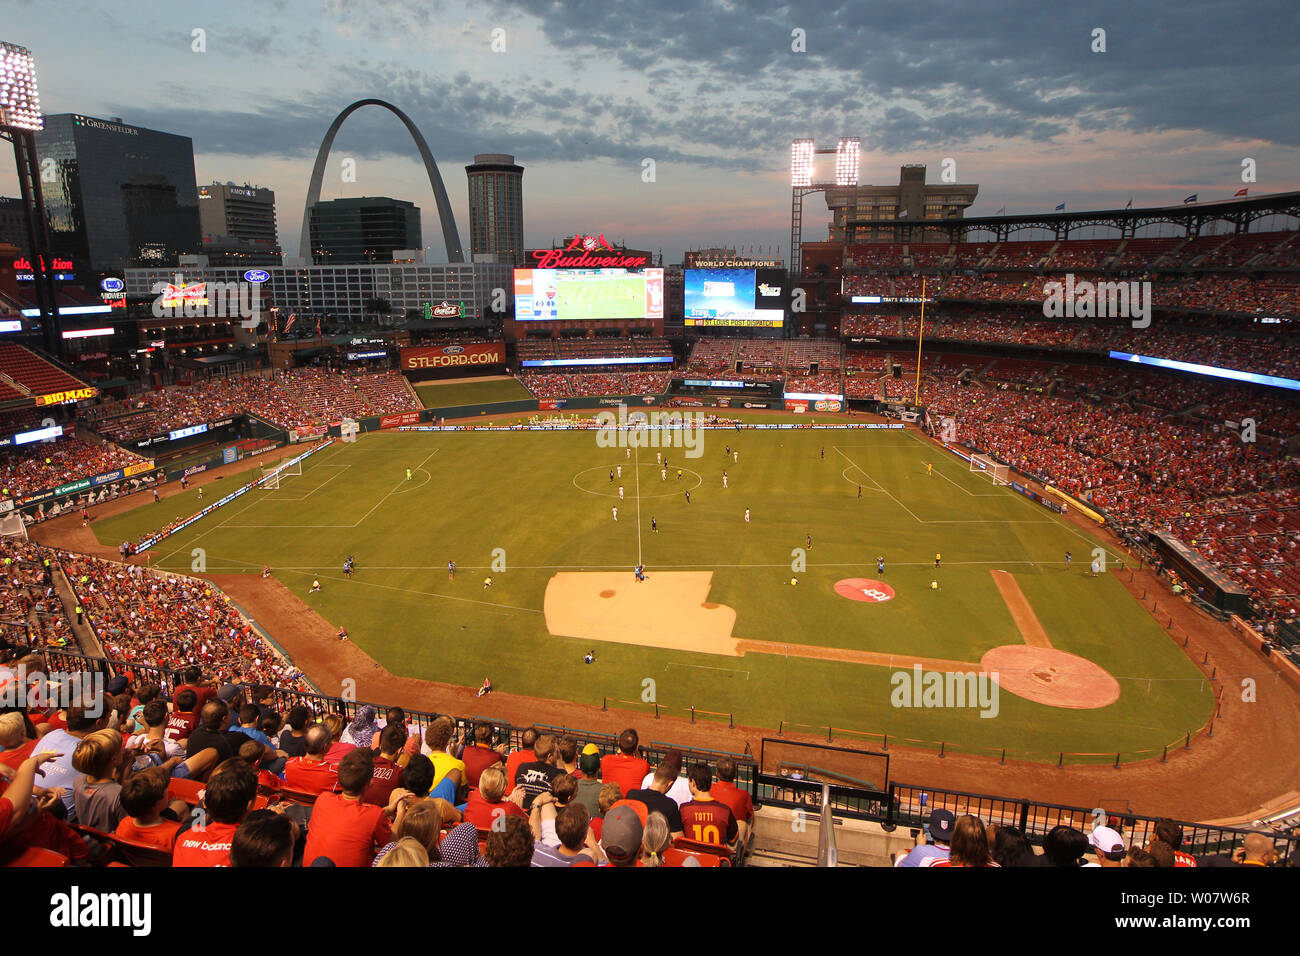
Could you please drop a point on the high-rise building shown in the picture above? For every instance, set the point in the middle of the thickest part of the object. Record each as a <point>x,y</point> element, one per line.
<point>496,208</point>
<point>13,223</point>
<point>875,209</point>
<point>367,229</point>
<point>120,195</point>
<point>238,224</point>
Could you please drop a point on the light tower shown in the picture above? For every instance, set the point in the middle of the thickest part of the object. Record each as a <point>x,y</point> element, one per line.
<point>20,119</point>
<point>802,160</point>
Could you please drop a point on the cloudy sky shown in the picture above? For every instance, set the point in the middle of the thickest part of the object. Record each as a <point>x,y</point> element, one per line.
<point>583,93</point>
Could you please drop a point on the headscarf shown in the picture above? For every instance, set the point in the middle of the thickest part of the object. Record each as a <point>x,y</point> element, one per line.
<point>361,732</point>
<point>460,847</point>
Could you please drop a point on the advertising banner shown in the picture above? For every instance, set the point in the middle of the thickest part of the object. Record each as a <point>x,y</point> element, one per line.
<point>550,404</point>
<point>394,421</point>
<point>137,469</point>
<point>791,405</point>
<point>422,357</point>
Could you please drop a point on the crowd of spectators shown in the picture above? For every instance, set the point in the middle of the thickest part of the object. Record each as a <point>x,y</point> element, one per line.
<point>169,621</point>
<point>26,469</point>
<point>30,610</point>
<point>561,385</point>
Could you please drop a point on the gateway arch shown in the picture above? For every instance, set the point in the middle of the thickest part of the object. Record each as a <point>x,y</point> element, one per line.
<point>449,234</point>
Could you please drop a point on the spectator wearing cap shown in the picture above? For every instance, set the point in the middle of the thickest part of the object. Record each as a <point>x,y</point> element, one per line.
<point>589,782</point>
<point>344,827</point>
<point>620,837</point>
<point>480,754</point>
<point>1107,847</point>
<point>925,853</point>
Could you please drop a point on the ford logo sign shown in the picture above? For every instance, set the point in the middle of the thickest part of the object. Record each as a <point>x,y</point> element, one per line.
<point>453,350</point>
<point>256,275</point>
<point>112,285</point>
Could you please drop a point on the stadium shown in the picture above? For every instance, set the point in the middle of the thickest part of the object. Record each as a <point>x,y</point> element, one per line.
<point>946,540</point>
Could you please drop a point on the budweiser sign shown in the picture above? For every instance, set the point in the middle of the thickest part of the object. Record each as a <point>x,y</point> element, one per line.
<point>587,252</point>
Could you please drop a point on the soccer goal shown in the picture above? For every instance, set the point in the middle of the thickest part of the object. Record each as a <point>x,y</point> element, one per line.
<point>985,465</point>
<point>271,475</point>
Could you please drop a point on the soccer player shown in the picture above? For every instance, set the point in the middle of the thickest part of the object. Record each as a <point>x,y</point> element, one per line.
<point>880,564</point>
<point>735,458</point>
<point>929,469</point>
<point>659,458</point>
<point>619,469</point>
<point>640,572</point>
<point>809,536</point>
<point>347,569</point>
<point>487,583</point>
<point>155,494</point>
<point>451,570</point>
<point>408,474</point>
<point>654,525</point>
<point>724,479</point>
<point>1067,560</point>
<point>679,474</point>
<point>823,454</point>
<point>615,509</point>
<point>746,516</point>
<point>589,658</point>
<point>200,499</point>
<point>663,474</point>
<point>611,476</point>
<point>266,570</point>
<point>485,689</point>
<point>627,452</point>
<point>315,586</point>
<point>936,559</point>
<point>859,491</point>
<point>688,497</point>
<point>343,634</point>
<point>620,492</point>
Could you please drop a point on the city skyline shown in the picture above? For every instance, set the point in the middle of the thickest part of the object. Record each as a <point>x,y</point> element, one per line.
<point>712,95</point>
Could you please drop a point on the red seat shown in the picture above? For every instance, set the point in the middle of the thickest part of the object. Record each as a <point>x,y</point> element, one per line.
<point>38,856</point>
<point>675,857</point>
<point>185,789</point>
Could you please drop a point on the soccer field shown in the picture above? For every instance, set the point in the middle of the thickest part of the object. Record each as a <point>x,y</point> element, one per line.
<point>600,298</point>
<point>717,624</point>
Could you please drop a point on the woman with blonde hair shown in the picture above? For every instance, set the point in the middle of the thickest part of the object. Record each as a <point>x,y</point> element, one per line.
<point>421,822</point>
<point>407,851</point>
<point>655,840</point>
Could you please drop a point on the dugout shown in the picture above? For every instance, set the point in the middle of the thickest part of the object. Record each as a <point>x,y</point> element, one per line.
<point>1219,590</point>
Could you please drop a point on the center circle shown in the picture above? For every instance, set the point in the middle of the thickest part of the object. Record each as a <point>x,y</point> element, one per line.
<point>598,477</point>
<point>867,590</point>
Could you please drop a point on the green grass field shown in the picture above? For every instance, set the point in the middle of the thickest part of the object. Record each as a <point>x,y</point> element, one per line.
<point>545,499</point>
<point>451,394</point>
<point>595,298</point>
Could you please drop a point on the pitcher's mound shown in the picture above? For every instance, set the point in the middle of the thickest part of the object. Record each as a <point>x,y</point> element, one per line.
<point>1049,676</point>
<point>668,609</point>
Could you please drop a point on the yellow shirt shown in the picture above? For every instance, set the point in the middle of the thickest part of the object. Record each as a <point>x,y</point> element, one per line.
<point>444,762</point>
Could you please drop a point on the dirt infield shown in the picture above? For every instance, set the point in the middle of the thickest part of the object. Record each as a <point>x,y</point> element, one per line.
<point>1048,676</point>
<point>1021,611</point>
<point>668,609</point>
<point>1244,762</point>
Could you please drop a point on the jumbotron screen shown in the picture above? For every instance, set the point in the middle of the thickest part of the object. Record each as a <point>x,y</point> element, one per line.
<point>738,297</point>
<point>573,295</point>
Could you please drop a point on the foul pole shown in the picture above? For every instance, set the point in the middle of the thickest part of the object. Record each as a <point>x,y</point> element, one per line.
<point>920,334</point>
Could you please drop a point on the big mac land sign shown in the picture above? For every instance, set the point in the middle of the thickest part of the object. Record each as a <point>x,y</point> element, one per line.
<point>421,357</point>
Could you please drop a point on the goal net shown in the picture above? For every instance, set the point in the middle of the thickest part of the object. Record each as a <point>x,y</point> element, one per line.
<point>996,471</point>
<point>13,526</point>
<point>271,475</point>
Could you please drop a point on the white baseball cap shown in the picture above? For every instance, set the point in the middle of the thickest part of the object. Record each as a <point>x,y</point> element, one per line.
<point>1107,840</point>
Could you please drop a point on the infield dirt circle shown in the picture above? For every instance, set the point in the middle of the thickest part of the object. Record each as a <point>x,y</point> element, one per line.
<point>1048,676</point>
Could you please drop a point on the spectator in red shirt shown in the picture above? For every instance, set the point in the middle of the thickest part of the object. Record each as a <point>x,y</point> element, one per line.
<point>481,754</point>
<point>485,804</point>
<point>204,691</point>
<point>567,761</point>
<point>705,819</point>
<point>625,768</point>
<point>388,769</point>
<point>523,755</point>
<point>229,796</point>
<point>343,827</point>
<point>312,773</point>
<point>724,789</point>
<point>335,724</point>
<point>150,820</point>
<point>183,720</point>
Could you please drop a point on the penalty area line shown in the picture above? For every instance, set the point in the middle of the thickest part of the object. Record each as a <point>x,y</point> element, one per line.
<point>706,667</point>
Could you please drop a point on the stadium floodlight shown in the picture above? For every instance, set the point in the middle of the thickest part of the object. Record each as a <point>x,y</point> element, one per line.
<point>20,106</point>
<point>801,162</point>
<point>846,161</point>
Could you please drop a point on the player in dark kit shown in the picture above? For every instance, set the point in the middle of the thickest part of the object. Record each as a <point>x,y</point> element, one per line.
<point>654,525</point>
